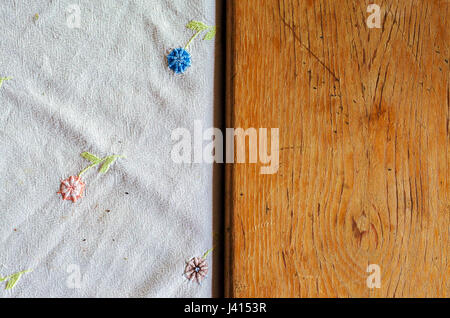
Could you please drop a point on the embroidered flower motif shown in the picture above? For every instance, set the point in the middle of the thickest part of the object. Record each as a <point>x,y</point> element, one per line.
<point>179,60</point>
<point>72,188</point>
<point>196,268</point>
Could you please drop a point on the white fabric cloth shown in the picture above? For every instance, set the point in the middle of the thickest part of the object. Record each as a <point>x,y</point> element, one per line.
<point>103,88</point>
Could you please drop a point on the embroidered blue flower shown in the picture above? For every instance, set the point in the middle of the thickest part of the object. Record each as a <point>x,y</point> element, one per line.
<point>179,60</point>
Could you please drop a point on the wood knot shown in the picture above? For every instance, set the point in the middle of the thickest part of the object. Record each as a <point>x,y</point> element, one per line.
<point>365,232</point>
<point>362,223</point>
<point>360,226</point>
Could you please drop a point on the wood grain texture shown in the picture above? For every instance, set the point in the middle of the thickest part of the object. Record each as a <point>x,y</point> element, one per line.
<point>364,148</point>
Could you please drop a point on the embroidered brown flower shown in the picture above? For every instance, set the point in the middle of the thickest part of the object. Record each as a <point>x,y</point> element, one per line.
<point>196,269</point>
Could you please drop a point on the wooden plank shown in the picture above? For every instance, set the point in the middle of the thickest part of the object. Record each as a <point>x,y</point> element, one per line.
<point>364,148</point>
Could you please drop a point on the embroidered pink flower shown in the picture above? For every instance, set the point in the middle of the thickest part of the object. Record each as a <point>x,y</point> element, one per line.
<point>72,188</point>
<point>196,268</point>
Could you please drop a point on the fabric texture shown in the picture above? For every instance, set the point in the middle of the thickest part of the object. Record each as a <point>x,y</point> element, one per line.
<point>104,88</point>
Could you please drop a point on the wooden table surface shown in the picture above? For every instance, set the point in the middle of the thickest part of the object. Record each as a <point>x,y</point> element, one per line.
<point>364,148</point>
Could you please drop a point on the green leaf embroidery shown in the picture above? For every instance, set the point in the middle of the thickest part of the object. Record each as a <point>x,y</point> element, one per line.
<point>2,79</point>
<point>211,34</point>
<point>197,26</point>
<point>207,253</point>
<point>13,279</point>
<point>107,163</point>
<point>91,157</point>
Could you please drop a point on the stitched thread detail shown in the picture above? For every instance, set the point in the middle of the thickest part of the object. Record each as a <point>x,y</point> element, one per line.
<point>207,253</point>
<point>3,79</point>
<point>199,27</point>
<point>180,59</point>
<point>13,279</point>
<point>107,161</point>
<point>197,268</point>
<point>72,188</point>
